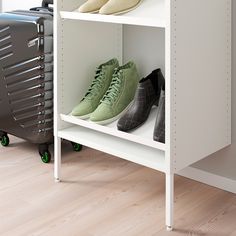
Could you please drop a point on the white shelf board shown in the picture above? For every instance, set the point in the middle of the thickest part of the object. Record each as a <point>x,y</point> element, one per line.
<point>149,13</point>
<point>134,152</point>
<point>143,135</point>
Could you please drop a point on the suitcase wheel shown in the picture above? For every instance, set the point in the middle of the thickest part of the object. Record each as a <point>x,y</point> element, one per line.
<point>44,153</point>
<point>76,147</point>
<point>5,140</point>
<point>46,157</point>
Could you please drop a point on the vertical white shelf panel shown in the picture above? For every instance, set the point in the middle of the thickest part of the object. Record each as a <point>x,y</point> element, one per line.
<point>200,85</point>
<point>140,43</point>
<point>190,40</point>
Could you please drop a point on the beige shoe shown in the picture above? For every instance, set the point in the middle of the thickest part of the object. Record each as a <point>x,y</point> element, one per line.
<point>91,6</point>
<point>119,6</point>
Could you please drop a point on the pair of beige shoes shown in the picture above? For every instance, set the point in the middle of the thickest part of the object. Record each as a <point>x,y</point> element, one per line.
<point>108,7</point>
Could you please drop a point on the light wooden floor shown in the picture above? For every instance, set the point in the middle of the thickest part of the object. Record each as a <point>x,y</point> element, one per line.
<point>102,196</point>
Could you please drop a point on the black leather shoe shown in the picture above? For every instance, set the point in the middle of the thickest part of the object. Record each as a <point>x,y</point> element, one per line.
<point>147,94</point>
<point>159,130</point>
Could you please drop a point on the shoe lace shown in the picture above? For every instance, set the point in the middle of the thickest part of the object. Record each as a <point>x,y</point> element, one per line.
<point>97,83</point>
<point>114,89</point>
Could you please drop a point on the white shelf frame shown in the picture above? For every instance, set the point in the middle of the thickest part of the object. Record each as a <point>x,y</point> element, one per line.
<point>151,13</point>
<point>136,136</point>
<point>198,85</point>
<point>116,146</point>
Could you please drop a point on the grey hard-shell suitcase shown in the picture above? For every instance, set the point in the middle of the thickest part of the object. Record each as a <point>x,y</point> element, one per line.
<point>26,76</point>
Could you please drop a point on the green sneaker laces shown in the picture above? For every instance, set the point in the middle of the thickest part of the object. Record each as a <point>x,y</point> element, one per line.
<point>96,84</point>
<point>114,89</point>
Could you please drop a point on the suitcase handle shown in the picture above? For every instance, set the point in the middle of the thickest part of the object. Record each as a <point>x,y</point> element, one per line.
<point>46,3</point>
<point>41,9</point>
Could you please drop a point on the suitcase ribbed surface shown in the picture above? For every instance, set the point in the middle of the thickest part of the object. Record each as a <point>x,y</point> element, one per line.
<point>5,43</point>
<point>27,81</point>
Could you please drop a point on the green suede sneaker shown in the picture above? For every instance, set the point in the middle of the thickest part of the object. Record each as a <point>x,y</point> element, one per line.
<point>97,89</point>
<point>119,95</point>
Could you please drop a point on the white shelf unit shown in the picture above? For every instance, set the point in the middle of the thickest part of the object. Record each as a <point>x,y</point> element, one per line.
<point>151,13</point>
<point>190,40</point>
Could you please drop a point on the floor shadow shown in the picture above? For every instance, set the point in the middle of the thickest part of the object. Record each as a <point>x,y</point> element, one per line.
<point>192,232</point>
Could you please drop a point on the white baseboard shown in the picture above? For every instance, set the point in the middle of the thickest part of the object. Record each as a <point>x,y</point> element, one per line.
<point>209,178</point>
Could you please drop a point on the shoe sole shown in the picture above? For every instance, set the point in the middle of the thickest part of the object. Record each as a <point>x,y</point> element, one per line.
<point>83,117</point>
<point>127,10</point>
<point>108,121</point>
<point>90,12</point>
<point>133,129</point>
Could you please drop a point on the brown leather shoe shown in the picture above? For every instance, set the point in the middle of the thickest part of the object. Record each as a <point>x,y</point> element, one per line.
<point>147,94</point>
<point>159,130</point>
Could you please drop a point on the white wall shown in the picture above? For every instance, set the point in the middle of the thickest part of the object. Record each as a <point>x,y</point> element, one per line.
<point>222,163</point>
<point>8,5</point>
